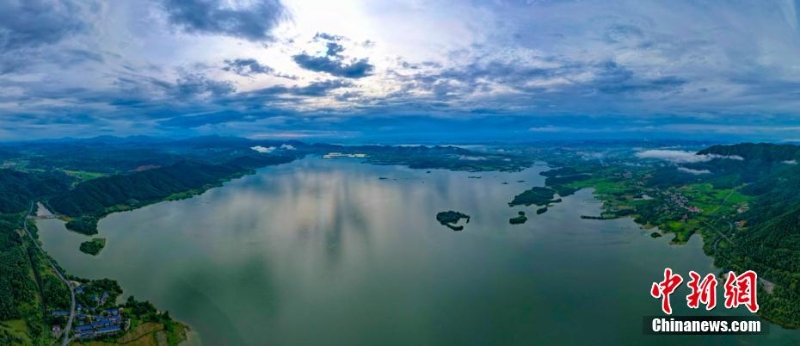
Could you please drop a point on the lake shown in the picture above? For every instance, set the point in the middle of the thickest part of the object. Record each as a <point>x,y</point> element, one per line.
<point>325,252</point>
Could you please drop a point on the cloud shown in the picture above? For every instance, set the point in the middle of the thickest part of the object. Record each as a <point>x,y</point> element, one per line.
<point>790,162</point>
<point>333,61</point>
<point>599,69</point>
<point>33,23</point>
<point>678,156</point>
<point>356,68</point>
<point>318,88</point>
<point>287,147</point>
<point>192,85</point>
<point>694,171</point>
<point>215,17</point>
<point>263,150</point>
<point>327,37</point>
<point>246,67</point>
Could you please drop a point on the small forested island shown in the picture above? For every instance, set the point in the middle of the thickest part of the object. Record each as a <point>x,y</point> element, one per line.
<point>541,210</point>
<point>94,246</point>
<point>451,218</point>
<point>85,225</point>
<point>601,217</point>
<point>655,235</point>
<point>519,219</point>
<point>535,196</point>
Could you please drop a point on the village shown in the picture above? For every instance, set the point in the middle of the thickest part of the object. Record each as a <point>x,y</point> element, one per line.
<point>96,319</point>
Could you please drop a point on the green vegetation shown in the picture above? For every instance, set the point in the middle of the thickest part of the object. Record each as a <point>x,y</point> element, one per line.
<point>91,200</point>
<point>84,176</point>
<point>451,218</point>
<point>20,188</point>
<point>145,312</point>
<point>541,210</point>
<point>86,180</point>
<point>746,210</point>
<point>27,285</point>
<point>535,196</point>
<point>519,219</point>
<point>84,224</point>
<point>94,246</point>
<point>435,157</point>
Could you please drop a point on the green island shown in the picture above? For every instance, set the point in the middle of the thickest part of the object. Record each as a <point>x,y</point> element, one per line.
<point>451,218</point>
<point>535,196</point>
<point>93,247</point>
<point>519,219</point>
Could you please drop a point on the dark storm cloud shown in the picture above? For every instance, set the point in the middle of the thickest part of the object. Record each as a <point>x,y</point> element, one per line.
<point>247,67</point>
<point>253,23</point>
<point>32,23</point>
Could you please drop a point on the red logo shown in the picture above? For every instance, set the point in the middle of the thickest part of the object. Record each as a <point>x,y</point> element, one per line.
<point>739,290</point>
<point>664,288</point>
<point>702,291</point>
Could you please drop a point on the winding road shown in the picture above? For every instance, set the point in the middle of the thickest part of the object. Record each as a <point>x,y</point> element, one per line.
<point>60,275</point>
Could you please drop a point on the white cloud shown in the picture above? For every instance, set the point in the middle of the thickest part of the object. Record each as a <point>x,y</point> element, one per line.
<point>679,156</point>
<point>263,150</point>
<point>287,147</point>
<point>790,162</point>
<point>471,158</point>
<point>694,171</point>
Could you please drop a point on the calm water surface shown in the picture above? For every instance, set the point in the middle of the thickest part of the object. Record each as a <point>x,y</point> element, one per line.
<point>323,252</point>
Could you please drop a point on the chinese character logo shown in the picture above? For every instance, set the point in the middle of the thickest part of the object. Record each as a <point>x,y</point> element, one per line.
<point>739,290</point>
<point>664,288</point>
<point>702,291</point>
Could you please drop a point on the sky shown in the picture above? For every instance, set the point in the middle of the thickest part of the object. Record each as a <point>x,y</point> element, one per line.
<point>401,70</point>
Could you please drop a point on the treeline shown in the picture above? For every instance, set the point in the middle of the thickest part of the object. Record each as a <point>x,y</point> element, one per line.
<point>537,195</point>
<point>756,151</point>
<point>16,286</point>
<point>97,197</point>
<point>18,189</point>
<point>769,245</point>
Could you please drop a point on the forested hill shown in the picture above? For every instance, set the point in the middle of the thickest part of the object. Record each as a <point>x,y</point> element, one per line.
<point>18,189</point>
<point>756,151</point>
<point>98,197</point>
<point>768,242</point>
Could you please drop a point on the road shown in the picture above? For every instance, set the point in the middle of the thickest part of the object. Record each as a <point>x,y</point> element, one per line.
<point>60,275</point>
